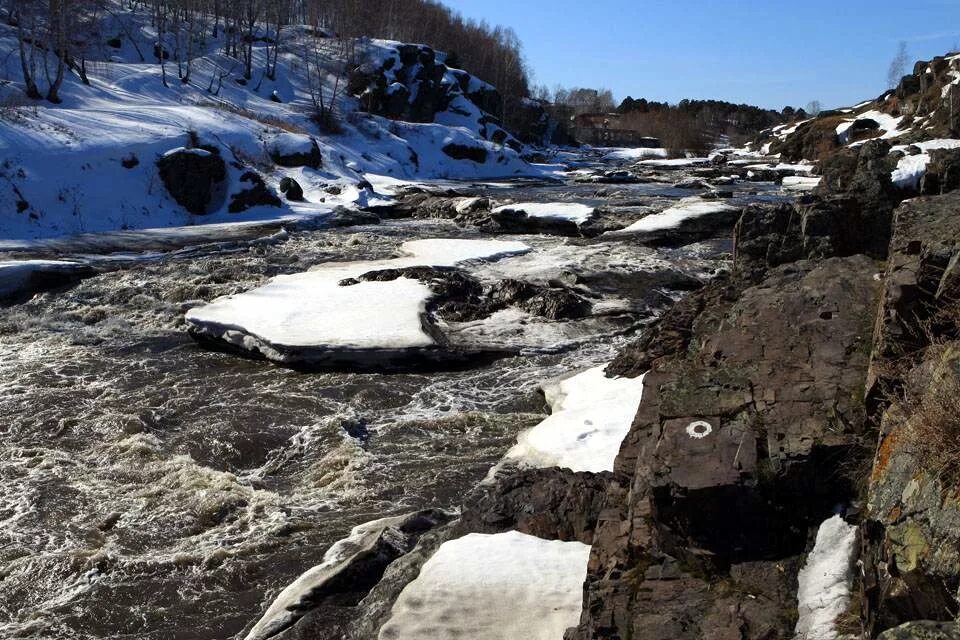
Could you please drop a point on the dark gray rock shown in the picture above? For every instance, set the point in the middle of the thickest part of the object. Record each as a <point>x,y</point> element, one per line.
<point>192,176</point>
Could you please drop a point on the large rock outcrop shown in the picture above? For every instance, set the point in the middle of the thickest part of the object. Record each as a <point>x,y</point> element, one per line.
<point>733,457</point>
<point>192,177</point>
<point>911,541</point>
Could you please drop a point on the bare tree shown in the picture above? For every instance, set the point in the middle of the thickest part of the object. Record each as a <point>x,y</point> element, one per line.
<point>898,66</point>
<point>814,108</point>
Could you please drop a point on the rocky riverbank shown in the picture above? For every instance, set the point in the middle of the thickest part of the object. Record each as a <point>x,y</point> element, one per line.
<point>792,466</point>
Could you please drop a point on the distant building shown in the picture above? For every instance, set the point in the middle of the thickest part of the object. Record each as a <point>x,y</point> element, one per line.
<point>606,130</point>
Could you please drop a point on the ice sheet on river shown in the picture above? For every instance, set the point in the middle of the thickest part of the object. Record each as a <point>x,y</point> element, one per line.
<point>493,587</point>
<point>311,318</point>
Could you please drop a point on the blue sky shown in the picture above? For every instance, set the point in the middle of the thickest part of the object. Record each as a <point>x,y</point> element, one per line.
<point>765,52</point>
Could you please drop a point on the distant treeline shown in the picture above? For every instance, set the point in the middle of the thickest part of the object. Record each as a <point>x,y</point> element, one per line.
<point>695,124</point>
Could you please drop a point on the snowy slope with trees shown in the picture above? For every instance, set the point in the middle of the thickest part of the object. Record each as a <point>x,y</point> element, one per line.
<point>82,132</point>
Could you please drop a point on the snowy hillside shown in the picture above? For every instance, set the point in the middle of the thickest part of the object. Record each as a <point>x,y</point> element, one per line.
<point>920,120</point>
<point>90,163</point>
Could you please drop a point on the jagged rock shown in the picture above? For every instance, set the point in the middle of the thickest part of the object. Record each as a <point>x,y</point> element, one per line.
<point>943,172</point>
<point>257,194</point>
<point>321,605</point>
<point>849,214</point>
<point>291,189</point>
<point>911,547</point>
<point>191,176</point>
<point>554,504</point>
<point>732,458</point>
<point>555,304</point>
<point>923,630</point>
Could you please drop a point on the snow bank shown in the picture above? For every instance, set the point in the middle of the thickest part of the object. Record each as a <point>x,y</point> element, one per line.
<point>572,211</point>
<point>671,218</point>
<point>675,163</point>
<point>630,154</point>
<point>800,183</point>
<point>313,311</point>
<point>493,587</point>
<point>888,124</point>
<point>591,415</point>
<point>824,592</point>
<point>910,169</point>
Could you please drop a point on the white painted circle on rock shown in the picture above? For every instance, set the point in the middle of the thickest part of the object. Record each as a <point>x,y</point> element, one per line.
<point>699,430</point>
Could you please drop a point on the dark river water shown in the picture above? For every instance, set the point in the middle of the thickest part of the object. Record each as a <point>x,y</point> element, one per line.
<point>150,488</point>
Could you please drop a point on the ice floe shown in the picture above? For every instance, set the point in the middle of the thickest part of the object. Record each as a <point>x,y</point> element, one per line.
<point>686,209</point>
<point>493,587</point>
<point>591,415</point>
<point>572,211</point>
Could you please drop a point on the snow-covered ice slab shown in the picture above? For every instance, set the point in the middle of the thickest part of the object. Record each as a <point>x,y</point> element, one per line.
<point>825,580</point>
<point>574,212</point>
<point>591,415</point>
<point>311,319</point>
<point>493,587</point>
<point>672,218</point>
<point>675,163</point>
<point>629,154</point>
<point>800,183</point>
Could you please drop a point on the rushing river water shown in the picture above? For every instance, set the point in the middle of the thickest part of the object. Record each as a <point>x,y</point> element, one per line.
<point>150,488</point>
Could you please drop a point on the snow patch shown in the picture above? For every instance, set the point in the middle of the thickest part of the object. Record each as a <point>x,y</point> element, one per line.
<point>591,415</point>
<point>671,218</point>
<point>493,587</point>
<point>572,211</point>
<point>824,593</point>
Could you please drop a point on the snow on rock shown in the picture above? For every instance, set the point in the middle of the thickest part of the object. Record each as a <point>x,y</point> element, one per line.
<point>800,183</point>
<point>311,318</point>
<point>290,605</point>
<point>888,124</point>
<point>493,587</point>
<point>676,163</point>
<point>910,169</point>
<point>825,580</point>
<point>570,211</point>
<point>590,416</point>
<point>633,154</point>
<point>686,209</point>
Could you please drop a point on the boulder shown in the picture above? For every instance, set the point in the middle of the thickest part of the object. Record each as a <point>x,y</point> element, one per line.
<point>255,195</point>
<point>291,189</point>
<point>923,630</point>
<point>943,172</point>
<point>295,150</point>
<point>192,176</point>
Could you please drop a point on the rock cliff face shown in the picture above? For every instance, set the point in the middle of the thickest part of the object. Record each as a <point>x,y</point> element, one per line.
<point>767,394</point>
<point>735,454</point>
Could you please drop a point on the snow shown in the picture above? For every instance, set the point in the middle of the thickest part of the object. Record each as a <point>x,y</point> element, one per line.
<point>67,168</point>
<point>825,581</point>
<point>631,154</point>
<point>493,587</point>
<point>288,144</point>
<point>590,416</point>
<point>798,168</point>
<point>910,169</point>
<point>293,601</point>
<point>675,163</point>
<point>671,218</point>
<point>313,310</point>
<point>800,183</point>
<point>888,124</point>
<point>572,211</point>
